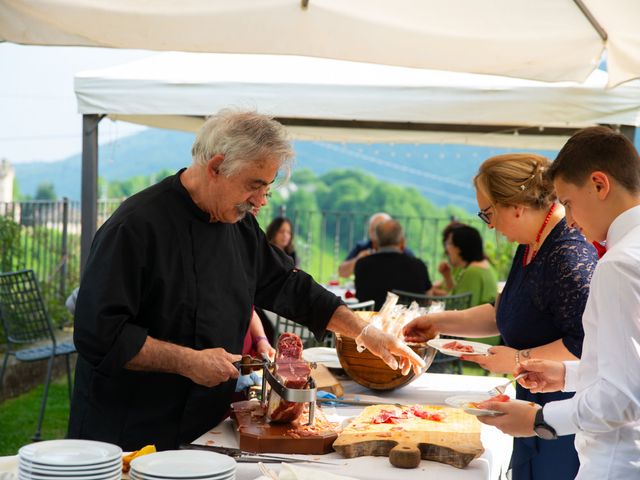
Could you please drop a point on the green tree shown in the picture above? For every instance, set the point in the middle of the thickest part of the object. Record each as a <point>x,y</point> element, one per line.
<point>46,191</point>
<point>9,244</point>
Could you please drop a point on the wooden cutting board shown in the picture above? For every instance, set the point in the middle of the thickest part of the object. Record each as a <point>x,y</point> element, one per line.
<point>455,440</point>
<point>257,435</point>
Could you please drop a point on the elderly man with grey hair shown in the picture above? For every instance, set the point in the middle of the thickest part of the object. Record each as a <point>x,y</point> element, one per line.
<point>167,293</point>
<point>365,247</point>
<point>389,268</point>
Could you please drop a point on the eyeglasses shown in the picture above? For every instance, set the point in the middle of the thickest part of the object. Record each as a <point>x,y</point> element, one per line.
<point>485,216</point>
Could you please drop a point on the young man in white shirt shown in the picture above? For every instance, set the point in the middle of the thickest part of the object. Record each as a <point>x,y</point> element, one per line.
<point>597,178</point>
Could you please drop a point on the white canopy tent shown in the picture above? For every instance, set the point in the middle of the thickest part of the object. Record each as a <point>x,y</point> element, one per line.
<point>549,40</point>
<point>318,98</point>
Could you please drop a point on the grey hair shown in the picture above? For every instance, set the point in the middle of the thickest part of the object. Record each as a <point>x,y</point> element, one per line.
<point>389,233</point>
<point>242,137</point>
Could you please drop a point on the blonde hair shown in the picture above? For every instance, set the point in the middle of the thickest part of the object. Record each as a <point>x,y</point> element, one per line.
<point>516,179</point>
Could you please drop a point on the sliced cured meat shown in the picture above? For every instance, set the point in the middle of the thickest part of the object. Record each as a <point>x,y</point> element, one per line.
<point>458,347</point>
<point>401,416</point>
<point>292,373</point>
<point>483,405</point>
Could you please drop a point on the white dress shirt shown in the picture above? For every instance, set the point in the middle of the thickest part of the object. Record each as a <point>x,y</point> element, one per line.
<point>605,412</point>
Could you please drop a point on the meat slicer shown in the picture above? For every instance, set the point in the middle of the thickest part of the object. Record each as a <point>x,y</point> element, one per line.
<point>306,394</point>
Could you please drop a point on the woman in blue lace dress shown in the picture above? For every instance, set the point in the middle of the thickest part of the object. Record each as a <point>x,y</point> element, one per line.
<point>539,313</point>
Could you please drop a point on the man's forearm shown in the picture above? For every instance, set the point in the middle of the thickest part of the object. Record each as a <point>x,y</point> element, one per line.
<point>346,268</point>
<point>158,356</point>
<point>345,322</point>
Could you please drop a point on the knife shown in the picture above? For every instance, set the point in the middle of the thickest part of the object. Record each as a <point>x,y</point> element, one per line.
<point>359,403</point>
<point>241,456</point>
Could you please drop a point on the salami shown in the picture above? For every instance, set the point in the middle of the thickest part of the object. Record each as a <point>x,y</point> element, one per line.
<point>292,373</point>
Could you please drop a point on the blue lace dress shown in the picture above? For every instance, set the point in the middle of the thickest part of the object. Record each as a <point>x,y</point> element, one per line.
<point>541,303</point>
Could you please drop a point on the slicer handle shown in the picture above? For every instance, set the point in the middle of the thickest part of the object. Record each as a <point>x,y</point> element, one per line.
<point>405,456</point>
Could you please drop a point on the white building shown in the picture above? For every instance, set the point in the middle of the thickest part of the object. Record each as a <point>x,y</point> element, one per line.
<point>7,175</point>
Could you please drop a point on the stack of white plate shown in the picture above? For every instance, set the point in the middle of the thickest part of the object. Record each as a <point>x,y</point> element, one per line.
<point>183,465</point>
<point>70,459</point>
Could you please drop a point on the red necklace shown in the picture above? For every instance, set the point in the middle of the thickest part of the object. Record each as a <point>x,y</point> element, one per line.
<point>544,224</point>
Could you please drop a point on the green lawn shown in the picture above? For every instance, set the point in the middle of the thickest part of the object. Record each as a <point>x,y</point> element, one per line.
<point>19,416</point>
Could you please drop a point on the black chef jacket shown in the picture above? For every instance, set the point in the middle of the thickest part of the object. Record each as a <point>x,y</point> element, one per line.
<point>158,267</point>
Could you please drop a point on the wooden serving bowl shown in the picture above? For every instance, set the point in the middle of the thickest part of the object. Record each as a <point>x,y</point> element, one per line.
<point>370,371</point>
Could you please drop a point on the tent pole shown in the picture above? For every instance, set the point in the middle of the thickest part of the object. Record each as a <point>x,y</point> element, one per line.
<point>628,131</point>
<point>89,200</point>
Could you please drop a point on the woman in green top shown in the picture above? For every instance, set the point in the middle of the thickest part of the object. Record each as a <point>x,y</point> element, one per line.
<point>473,272</point>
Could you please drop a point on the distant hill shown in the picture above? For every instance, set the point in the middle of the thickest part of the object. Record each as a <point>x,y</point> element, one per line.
<point>442,173</point>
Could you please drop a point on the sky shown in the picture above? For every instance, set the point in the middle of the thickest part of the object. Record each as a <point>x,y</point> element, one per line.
<point>38,109</point>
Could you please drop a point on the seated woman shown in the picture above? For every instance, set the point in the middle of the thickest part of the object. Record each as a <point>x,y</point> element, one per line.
<point>468,270</point>
<point>280,234</point>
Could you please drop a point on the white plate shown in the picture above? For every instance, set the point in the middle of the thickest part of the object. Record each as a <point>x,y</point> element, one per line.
<point>70,453</point>
<point>30,476</point>
<point>183,464</point>
<point>478,348</point>
<point>324,355</point>
<point>226,476</point>
<point>81,470</point>
<point>31,469</point>
<point>462,401</point>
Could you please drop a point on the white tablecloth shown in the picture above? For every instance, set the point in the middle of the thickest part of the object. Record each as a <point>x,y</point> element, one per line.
<point>431,389</point>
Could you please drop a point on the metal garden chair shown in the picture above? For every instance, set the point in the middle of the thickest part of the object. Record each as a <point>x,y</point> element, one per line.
<point>29,332</point>
<point>458,301</point>
<point>286,325</point>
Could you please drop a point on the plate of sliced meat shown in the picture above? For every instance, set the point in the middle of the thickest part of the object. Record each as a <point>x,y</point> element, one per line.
<point>475,404</point>
<point>457,348</point>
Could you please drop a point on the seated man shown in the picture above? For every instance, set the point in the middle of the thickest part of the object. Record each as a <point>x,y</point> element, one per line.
<point>389,268</point>
<point>365,247</point>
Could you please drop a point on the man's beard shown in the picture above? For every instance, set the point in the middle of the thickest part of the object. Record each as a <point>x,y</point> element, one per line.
<point>243,209</point>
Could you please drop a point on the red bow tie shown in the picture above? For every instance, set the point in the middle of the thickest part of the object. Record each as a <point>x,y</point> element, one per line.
<point>601,249</point>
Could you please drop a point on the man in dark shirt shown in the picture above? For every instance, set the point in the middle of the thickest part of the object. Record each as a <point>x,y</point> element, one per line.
<point>167,292</point>
<point>389,268</point>
<point>365,247</point>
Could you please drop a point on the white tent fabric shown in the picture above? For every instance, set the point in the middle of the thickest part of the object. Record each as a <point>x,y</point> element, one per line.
<point>548,40</point>
<point>177,90</point>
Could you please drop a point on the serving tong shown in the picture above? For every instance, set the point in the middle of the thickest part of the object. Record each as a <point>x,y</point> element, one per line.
<point>241,456</point>
<point>296,395</point>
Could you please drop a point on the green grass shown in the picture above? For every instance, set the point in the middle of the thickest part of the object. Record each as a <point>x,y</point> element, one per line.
<point>19,417</point>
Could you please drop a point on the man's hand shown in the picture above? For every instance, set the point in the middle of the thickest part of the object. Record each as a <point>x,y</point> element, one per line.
<point>500,359</point>
<point>544,376</point>
<point>517,420</point>
<point>388,347</point>
<point>212,367</point>
<point>421,329</point>
<point>263,346</point>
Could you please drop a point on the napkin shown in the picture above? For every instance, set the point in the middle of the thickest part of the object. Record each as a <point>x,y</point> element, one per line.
<point>295,472</point>
<point>9,468</point>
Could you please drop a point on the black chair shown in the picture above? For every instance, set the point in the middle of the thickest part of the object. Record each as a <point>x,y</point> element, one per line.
<point>26,321</point>
<point>459,301</point>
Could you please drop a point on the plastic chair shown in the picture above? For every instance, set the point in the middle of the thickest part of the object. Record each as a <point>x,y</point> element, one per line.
<point>459,301</point>
<point>25,321</point>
